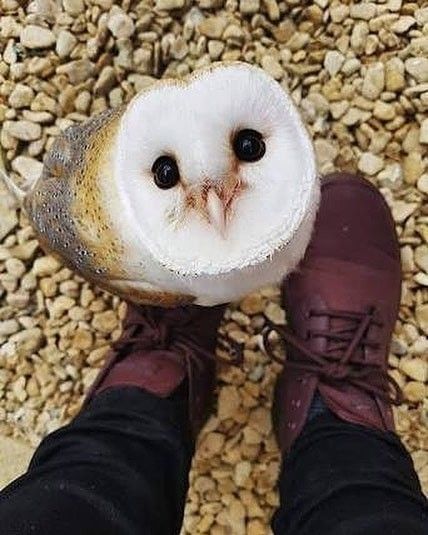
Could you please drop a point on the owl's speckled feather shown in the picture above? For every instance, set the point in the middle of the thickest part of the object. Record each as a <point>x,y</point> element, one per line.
<point>227,227</point>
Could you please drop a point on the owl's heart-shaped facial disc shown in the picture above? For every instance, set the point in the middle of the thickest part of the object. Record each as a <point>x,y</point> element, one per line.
<point>200,189</point>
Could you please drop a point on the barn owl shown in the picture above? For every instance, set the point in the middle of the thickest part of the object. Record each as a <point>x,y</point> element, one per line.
<point>198,191</point>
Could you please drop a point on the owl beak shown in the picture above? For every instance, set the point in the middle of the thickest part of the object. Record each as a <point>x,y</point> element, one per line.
<point>216,211</point>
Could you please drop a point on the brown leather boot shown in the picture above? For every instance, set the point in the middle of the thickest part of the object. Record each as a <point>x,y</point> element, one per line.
<point>342,304</point>
<point>161,349</point>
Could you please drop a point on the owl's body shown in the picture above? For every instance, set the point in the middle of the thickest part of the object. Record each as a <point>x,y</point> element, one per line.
<point>197,191</point>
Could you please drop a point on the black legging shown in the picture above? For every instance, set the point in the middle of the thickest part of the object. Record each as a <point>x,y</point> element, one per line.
<point>121,468</point>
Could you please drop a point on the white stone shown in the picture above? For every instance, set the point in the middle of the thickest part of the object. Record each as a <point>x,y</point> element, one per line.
<point>333,62</point>
<point>418,68</point>
<point>29,168</point>
<point>403,24</point>
<point>23,130</point>
<point>169,5</point>
<point>374,81</point>
<point>392,176</point>
<point>73,7</point>
<point>65,43</point>
<point>423,134</point>
<point>369,163</point>
<point>121,25</point>
<point>363,10</point>
<point>36,37</point>
<point>423,183</point>
<point>21,96</point>
<point>272,67</point>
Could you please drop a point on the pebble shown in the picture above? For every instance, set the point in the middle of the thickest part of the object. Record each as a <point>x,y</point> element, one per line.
<point>213,27</point>
<point>391,176</point>
<point>394,75</point>
<point>421,313</point>
<point>414,391</point>
<point>401,210</point>
<point>29,168</point>
<point>384,111</point>
<point>423,184</point>
<point>272,67</point>
<point>32,36</point>
<point>21,96</point>
<point>412,167</point>
<point>121,25</point>
<point>105,322</point>
<point>416,368</point>
<point>403,24</point>
<point>73,7</point>
<point>65,43</point>
<point>169,5</point>
<point>374,81</point>
<point>333,62</point>
<point>423,136</point>
<point>249,7</point>
<point>228,403</point>
<point>369,163</point>
<point>418,68</point>
<point>45,266</point>
<point>23,130</point>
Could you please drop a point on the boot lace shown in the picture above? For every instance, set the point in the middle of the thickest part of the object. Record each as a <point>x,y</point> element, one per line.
<point>167,330</point>
<point>336,362</point>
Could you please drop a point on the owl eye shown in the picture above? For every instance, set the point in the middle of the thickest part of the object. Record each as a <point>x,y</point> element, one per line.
<point>249,145</point>
<point>165,172</point>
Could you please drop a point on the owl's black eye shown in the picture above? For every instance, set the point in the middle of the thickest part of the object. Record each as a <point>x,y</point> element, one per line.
<point>165,172</point>
<point>249,145</point>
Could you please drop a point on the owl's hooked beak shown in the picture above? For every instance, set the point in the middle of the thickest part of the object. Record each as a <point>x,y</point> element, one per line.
<point>216,211</point>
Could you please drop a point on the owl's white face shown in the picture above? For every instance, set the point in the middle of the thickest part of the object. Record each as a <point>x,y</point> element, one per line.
<point>215,172</point>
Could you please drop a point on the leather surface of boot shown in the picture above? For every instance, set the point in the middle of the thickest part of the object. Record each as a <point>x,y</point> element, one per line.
<point>161,349</point>
<point>341,305</point>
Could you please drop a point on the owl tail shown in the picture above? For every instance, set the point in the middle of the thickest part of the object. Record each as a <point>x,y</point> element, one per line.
<point>14,189</point>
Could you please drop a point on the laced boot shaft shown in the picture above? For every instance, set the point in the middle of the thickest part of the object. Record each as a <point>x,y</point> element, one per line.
<point>160,349</point>
<point>341,304</point>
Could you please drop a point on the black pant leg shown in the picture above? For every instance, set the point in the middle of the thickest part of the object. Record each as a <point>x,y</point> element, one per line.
<point>120,468</point>
<point>345,479</point>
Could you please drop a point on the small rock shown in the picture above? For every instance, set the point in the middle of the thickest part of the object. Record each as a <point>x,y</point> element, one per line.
<point>8,221</point>
<point>384,111</point>
<point>374,81</point>
<point>211,445</point>
<point>169,5</point>
<point>249,7</point>
<point>359,36</point>
<point>421,312</point>
<point>213,27</point>
<point>23,130</point>
<point>394,75</point>
<point>105,82</point>
<point>60,305</point>
<point>229,402</point>
<point>423,135</point>
<point>105,322</point>
<point>369,163</point>
<point>339,12</point>
<point>252,304</point>
<point>242,473</point>
<point>423,184</point>
<point>77,71</point>
<point>21,96</point>
<point>363,10</point>
<point>414,391</point>
<point>36,37</point>
<point>260,420</point>
<point>272,67</point>
<point>45,266</point>
<point>412,167</point>
<point>8,327</point>
<point>65,43</point>
<point>391,176</point>
<point>15,267</point>
<point>418,68</point>
<point>333,62</point>
<point>416,369</point>
<point>121,25</point>
<point>275,313</point>
<point>403,24</point>
<point>401,210</point>
<point>29,168</point>
<point>73,7</point>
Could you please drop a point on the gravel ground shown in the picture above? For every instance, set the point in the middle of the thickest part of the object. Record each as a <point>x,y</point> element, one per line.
<point>359,73</point>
